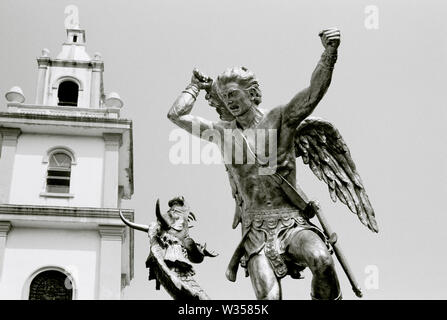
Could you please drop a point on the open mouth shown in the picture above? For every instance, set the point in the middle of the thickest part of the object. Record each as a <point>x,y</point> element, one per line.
<point>234,107</point>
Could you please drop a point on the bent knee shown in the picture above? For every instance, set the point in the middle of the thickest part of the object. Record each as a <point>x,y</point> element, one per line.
<point>273,293</point>
<point>320,261</point>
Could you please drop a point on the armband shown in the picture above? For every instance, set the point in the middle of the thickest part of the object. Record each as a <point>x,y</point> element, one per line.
<point>192,90</point>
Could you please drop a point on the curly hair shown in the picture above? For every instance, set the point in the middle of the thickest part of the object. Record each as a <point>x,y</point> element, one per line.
<point>241,75</point>
<point>245,78</point>
<point>179,201</point>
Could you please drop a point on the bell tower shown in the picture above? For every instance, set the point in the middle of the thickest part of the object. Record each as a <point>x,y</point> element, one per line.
<point>66,164</point>
<point>73,78</point>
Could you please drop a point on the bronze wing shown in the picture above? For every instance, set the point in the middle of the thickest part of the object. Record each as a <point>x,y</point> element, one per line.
<point>322,147</point>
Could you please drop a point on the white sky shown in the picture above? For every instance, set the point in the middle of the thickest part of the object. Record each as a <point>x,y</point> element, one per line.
<point>387,98</point>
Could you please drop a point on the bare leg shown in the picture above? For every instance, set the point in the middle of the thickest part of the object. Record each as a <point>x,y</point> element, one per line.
<point>307,248</point>
<point>263,278</point>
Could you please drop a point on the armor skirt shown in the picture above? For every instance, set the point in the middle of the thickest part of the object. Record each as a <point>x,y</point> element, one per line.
<point>270,232</point>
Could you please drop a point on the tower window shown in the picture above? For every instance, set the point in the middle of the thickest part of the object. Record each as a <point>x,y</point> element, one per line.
<point>59,173</point>
<point>68,93</point>
<point>51,285</point>
<point>75,38</point>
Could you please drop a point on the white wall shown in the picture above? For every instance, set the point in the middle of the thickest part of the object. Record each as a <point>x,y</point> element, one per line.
<point>28,250</point>
<point>29,172</point>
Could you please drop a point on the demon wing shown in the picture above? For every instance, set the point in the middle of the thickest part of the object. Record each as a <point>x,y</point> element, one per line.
<point>322,147</point>
<point>180,285</point>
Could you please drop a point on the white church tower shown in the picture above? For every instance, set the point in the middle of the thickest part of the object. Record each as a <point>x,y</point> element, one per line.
<point>65,166</point>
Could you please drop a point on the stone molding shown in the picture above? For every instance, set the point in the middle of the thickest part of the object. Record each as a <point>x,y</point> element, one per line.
<point>111,232</point>
<point>75,212</point>
<point>113,139</point>
<point>10,135</point>
<point>5,227</point>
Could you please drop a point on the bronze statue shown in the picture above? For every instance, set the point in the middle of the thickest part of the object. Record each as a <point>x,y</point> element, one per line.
<point>278,238</point>
<point>173,251</point>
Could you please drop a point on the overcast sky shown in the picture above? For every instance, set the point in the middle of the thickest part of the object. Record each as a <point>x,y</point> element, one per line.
<point>387,98</point>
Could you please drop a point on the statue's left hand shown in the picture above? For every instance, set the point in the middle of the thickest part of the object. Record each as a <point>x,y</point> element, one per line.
<point>330,37</point>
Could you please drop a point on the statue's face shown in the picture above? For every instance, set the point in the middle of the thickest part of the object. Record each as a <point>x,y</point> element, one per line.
<point>213,99</point>
<point>177,217</point>
<point>215,102</point>
<point>235,98</point>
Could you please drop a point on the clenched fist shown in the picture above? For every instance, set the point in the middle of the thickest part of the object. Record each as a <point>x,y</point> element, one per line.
<point>330,37</point>
<point>200,80</point>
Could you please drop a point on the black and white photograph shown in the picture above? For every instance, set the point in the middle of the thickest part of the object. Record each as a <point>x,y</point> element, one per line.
<point>223,150</point>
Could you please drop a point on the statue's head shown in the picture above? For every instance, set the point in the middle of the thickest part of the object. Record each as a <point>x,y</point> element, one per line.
<point>234,93</point>
<point>176,219</point>
<point>178,212</point>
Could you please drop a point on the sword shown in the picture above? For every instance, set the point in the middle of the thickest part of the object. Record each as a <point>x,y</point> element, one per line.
<point>332,236</point>
<point>297,196</point>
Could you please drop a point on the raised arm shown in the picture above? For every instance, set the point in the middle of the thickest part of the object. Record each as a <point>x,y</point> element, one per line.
<point>303,104</point>
<point>180,110</point>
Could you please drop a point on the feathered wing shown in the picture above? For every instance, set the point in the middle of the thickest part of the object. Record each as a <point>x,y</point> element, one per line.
<point>322,147</point>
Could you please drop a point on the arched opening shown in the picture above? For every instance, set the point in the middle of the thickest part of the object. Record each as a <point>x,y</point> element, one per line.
<point>51,285</point>
<point>68,94</point>
<point>59,172</point>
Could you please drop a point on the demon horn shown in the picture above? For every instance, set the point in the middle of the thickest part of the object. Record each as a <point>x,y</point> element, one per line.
<point>163,224</point>
<point>136,226</point>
